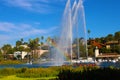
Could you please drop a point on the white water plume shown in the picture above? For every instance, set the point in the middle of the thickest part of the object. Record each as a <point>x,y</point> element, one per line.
<point>73,27</point>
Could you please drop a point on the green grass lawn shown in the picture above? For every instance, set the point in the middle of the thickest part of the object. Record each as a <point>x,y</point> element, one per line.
<point>13,77</point>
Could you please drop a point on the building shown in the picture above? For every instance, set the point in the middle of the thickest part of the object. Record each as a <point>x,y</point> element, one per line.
<point>95,43</point>
<point>109,56</point>
<point>106,56</point>
<point>111,44</point>
<point>20,55</point>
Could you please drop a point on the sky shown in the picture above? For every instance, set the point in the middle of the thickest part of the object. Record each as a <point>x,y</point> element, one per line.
<point>29,19</point>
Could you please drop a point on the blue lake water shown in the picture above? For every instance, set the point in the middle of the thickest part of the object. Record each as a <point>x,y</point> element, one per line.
<point>27,65</point>
<point>48,64</point>
<point>20,66</point>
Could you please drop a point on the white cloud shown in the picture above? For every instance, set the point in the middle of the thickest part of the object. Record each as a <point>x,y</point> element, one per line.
<point>4,37</point>
<point>7,27</point>
<point>11,32</point>
<point>41,6</point>
<point>19,3</point>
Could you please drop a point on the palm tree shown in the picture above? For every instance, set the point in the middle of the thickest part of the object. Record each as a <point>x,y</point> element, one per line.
<point>41,43</point>
<point>18,43</point>
<point>33,44</point>
<point>89,33</point>
<point>21,40</point>
<point>42,37</point>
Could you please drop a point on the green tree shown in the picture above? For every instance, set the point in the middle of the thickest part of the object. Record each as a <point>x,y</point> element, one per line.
<point>19,42</point>
<point>1,55</point>
<point>109,37</point>
<point>102,40</point>
<point>42,37</point>
<point>117,35</point>
<point>33,44</point>
<point>105,50</point>
<point>41,42</point>
<point>91,52</point>
<point>98,40</point>
<point>7,49</point>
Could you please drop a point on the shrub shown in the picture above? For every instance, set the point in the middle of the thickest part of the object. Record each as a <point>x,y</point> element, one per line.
<point>37,72</point>
<point>7,62</point>
<point>7,71</point>
<point>89,73</point>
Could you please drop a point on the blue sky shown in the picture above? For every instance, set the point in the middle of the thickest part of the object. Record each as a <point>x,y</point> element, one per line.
<point>34,18</point>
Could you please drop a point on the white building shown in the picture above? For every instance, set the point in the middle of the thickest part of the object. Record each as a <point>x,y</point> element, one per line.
<point>22,54</point>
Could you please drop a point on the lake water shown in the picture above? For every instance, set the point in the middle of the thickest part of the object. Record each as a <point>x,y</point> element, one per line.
<point>48,64</point>
<point>27,65</point>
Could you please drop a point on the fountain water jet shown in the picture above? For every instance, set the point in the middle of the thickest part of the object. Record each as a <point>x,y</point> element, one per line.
<point>73,27</point>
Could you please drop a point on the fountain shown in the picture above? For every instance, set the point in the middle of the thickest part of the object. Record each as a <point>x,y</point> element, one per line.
<point>72,38</point>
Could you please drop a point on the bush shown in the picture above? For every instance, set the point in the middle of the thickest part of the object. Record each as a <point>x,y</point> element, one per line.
<point>7,71</point>
<point>89,73</point>
<point>65,73</point>
<point>7,62</point>
<point>37,72</point>
<point>30,72</point>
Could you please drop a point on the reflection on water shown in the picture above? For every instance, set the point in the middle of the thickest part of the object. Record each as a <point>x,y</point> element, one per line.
<point>43,65</point>
<point>48,64</point>
<point>106,64</point>
<point>26,65</point>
